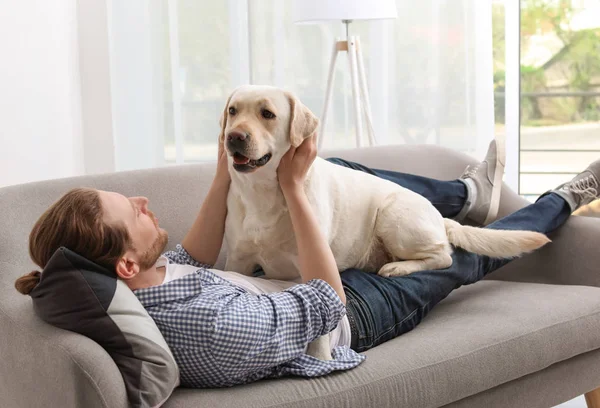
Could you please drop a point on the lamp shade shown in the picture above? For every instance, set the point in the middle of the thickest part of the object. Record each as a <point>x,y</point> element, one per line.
<point>314,11</point>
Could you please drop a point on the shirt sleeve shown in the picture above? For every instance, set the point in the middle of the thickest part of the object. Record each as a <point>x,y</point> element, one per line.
<point>182,257</point>
<point>253,332</point>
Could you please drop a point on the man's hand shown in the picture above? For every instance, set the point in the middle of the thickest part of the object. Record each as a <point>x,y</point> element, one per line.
<point>222,167</point>
<point>295,164</point>
<point>315,258</point>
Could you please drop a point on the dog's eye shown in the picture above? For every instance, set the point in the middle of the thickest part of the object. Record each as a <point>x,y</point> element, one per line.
<point>267,114</point>
<point>232,111</point>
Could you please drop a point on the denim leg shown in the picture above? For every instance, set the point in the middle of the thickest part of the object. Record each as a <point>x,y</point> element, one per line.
<point>547,214</point>
<point>384,308</point>
<point>448,197</point>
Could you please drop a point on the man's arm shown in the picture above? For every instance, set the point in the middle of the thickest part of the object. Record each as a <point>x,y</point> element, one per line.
<point>257,332</point>
<point>315,257</point>
<point>204,239</point>
<point>243,336</point>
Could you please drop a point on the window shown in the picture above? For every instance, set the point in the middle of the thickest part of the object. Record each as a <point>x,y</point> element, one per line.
<point>560,91</point>
<point>559,75</point>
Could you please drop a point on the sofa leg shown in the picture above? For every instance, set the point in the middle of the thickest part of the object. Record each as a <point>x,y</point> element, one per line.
<point>592,398</point>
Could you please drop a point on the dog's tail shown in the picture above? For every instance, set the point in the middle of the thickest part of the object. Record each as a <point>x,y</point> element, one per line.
<point>493,243</point>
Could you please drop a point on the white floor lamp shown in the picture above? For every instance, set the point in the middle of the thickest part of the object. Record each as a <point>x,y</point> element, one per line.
<point>314,11</point>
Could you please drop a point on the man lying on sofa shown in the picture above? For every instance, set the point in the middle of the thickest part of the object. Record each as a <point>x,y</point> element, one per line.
<point>233,329</point>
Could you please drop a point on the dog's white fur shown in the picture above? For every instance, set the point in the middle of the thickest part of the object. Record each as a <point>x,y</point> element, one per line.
<point>370,223</point>
<point>590,210</point>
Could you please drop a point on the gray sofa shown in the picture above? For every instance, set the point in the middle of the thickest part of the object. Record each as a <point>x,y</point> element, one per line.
<point>527,337</point>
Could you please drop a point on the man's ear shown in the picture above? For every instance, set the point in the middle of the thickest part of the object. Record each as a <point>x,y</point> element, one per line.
<point>303,123</point>
<point>223,118</point>
<point>127,268</point>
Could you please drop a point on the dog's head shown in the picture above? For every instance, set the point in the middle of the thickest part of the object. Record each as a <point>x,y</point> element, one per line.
<point>260,123</point>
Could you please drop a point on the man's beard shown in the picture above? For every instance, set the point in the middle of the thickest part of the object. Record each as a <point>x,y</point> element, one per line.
<point>149,257</point>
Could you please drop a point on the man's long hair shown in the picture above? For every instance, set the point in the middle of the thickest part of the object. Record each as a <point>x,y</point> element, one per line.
<point>76,222</point>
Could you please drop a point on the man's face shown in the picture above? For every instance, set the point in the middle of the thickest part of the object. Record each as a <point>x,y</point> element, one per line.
<point>148,239</point>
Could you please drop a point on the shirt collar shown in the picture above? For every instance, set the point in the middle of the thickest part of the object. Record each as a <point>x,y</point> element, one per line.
<point>161,261</point>
<point>184,287</point>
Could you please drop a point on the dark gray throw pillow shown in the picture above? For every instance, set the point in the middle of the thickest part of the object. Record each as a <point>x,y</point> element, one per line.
<point>81,296</point>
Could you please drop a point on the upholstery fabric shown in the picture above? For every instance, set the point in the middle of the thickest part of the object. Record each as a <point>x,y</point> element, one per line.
<point>556,384</point>
<point>478,346</point>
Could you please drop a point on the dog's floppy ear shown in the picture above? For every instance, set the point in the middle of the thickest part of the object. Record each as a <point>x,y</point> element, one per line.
<point>223,119</point>
<point>303,123</point>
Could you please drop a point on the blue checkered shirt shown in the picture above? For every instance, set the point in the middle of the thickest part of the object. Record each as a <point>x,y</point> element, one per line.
<point>221,335</point>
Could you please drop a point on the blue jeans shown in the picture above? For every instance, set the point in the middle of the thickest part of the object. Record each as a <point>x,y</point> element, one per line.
<point>448,197</point>
<point>383,308</point>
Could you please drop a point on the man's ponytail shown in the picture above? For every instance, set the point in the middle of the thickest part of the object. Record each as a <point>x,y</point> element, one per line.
<point>26,283</point>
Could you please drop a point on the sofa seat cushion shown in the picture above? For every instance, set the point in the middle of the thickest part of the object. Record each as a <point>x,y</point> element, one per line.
<point>481,336</point>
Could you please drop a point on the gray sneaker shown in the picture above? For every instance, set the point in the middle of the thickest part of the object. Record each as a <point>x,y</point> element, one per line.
<point>583,189</point>
<point>487,178</point>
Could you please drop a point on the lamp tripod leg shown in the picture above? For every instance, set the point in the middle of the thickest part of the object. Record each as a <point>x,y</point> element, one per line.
<point>355,89</point>
<point>365,94</point>
<point>329,90</point>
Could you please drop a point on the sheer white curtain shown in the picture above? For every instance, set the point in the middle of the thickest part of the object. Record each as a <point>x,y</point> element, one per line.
<point>40,126</point>
<point>429,73</point>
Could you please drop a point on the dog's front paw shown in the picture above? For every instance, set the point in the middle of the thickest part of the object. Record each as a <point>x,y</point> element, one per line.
<point>393,269</point>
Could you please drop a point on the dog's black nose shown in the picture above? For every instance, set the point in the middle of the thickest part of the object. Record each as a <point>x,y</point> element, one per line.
<point>237,141</point>
<point>235,135</point>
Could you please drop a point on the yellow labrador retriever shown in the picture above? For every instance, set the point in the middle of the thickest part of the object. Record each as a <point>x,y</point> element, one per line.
<point>371,224</point>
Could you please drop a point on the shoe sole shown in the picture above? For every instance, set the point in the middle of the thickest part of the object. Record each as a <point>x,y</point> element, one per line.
<point>498,175</point>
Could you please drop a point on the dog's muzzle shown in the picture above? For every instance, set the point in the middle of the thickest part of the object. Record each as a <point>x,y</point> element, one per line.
<point>237,145</point>
<point>244,164</point>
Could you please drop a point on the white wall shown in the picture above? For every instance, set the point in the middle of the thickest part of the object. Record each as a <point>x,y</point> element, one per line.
<point>40,114</point>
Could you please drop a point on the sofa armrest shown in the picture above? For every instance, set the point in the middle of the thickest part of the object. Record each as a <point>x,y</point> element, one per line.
<point>43,366</point>
<point>571,259</point>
